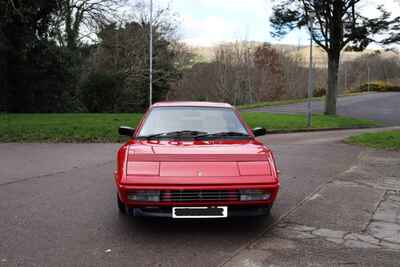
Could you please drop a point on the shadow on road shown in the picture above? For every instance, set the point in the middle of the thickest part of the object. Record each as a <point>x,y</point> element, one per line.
<point>203,226</point>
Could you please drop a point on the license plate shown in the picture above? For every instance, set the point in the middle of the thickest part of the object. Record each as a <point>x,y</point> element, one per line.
<point>199,212</point>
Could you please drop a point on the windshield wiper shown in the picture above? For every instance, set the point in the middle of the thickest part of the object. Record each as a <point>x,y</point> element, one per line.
<point>174,134</point>
<point>222,134</point>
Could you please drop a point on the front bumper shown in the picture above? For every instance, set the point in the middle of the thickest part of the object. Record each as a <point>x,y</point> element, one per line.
<point>163,209</point>
<point>233,211</point>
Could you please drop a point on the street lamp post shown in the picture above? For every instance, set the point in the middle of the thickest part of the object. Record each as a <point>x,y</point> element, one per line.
<point>310,72</point>
<point>345,77</point>
<point>151,55</point>
<point>369,77</point>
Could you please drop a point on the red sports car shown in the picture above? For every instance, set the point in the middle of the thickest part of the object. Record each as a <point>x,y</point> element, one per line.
<point>195,160</point>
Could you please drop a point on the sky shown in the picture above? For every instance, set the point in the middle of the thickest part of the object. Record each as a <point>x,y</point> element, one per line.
<point>208,22</point>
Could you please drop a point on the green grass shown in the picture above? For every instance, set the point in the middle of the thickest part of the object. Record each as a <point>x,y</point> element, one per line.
<point>295,122</point>
<point>389,140</point>
<point>77,127</point>
<point>275,103</point>
<point>86,127</point>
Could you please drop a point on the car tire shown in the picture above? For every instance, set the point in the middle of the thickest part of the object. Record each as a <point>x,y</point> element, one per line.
<point>130,212</point>
<point>121,205</point>
<point>267,212</point>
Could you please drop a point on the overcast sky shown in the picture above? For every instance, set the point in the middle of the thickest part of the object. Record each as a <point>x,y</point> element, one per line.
<point>206,22</point>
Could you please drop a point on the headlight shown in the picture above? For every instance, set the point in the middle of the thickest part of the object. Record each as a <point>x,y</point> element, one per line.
<point>145,195</point>
<point>250,194</point>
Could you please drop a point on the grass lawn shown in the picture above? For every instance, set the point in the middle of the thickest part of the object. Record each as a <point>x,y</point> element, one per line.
<point>295,122</point>
<point>69,127</point>
<point>389,140</point>
<point>276,103</point>
<point>87,127</point>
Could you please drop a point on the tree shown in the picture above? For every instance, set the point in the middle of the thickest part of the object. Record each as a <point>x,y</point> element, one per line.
<point>268,60</point>
<point>338,23</point>
<point>79,19</point>
<point>74,26</point>
<point>31,73</point>
<point>242,73</point>
<point>394,34</point>
<point>100,92</point>
<point>123,51</point>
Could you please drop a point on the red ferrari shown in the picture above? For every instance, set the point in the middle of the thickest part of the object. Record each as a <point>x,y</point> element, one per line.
<point>195,160</point>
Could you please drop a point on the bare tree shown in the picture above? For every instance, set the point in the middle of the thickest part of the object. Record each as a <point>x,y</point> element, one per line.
<point>269,66</point>
<point>384,66</point>
<point>79,19</point>
<point>235,72</point>
<point>295,75</point>
<point>123,48</point>
<point>242,73</point>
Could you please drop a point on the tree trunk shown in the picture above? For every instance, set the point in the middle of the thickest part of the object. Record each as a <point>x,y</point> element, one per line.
<point>333,68</point>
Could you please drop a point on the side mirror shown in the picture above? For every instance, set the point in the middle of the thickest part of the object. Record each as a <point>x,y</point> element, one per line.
<point>259,131</point>
<point>125,130</point>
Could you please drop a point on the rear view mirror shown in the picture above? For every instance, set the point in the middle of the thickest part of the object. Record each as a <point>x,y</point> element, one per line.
<point>259,131</point>
<point>125,130</point>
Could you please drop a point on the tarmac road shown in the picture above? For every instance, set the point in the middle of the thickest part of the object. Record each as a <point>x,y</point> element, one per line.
<point>58,206</point>
<point>382,107</point>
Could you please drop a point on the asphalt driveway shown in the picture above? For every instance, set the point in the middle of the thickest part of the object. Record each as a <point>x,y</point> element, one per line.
<point>382,107</point>
<point>57,206</point>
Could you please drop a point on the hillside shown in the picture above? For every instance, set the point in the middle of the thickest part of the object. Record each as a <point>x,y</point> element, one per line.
<point>206,53</point>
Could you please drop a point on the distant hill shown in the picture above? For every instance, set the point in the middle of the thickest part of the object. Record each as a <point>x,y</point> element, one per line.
<point>207,53</point>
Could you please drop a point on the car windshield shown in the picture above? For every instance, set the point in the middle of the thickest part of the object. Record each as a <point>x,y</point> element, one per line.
<point>193,120</point>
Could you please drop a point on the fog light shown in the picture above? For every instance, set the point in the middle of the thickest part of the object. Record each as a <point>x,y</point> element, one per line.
<point>251,195</point>
<point>145,195</point>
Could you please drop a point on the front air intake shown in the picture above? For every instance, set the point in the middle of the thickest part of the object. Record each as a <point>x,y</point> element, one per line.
<point>199,195</point>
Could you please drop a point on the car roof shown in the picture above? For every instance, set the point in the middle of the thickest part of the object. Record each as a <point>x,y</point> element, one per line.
<point>192,104</point>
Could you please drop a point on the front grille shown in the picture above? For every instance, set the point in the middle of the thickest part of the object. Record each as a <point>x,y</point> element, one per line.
<point>199,195</point>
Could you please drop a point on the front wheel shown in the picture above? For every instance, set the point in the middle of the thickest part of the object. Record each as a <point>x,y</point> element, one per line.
<point>121,205</point>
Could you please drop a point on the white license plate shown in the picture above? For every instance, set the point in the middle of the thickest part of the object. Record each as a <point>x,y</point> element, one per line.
<point>200,212</point>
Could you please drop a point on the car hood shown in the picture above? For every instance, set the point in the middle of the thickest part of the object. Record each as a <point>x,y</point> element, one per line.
<point>196,159</point>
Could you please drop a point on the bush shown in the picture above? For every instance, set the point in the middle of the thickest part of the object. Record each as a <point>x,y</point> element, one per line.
<point>319,92</point>
<point>377,86</point>
<point>100,92</point>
